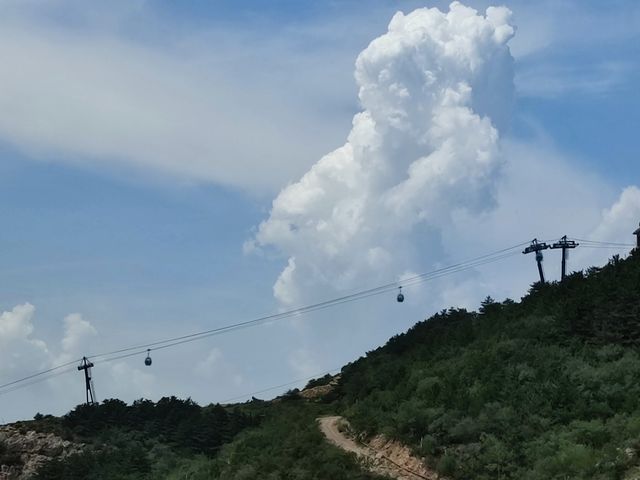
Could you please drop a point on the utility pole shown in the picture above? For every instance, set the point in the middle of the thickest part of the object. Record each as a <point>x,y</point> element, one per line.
<point>537,247</point>
<point>637,234</point>
<point>86,366</point>
<point>564,244</point>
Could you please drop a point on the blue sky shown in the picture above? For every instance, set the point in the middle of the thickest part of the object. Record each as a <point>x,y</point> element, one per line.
<point>142,144</point>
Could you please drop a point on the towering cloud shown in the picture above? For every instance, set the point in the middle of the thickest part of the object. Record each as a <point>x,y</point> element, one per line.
<point>435,89</point>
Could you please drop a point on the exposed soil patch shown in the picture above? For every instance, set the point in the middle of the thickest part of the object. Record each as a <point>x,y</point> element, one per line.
<point>380,455</point>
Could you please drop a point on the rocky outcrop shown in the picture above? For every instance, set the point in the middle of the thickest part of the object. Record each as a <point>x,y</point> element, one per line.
<point>23,452</point>
<point>320,391</point>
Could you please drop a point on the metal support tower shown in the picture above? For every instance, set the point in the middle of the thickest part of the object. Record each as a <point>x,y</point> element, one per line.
<point>564,244</point>
<point>537,247</point>
<point>86,366</point>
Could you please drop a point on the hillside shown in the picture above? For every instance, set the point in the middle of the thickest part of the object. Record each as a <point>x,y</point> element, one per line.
<point>544,388</point>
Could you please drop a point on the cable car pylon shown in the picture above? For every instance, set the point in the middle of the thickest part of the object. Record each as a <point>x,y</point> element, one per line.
<point>88,380</point>
<point>564,244</point>
<point>537,247</point>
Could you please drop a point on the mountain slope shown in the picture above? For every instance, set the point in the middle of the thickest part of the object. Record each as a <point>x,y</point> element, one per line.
<point>544,388</point>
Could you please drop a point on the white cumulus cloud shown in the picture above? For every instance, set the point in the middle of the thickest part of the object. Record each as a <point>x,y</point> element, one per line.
<point>615,225</point>
<point>25,351</point>
<point>19,349</point>
<point>77,329</point>
<point>435,89</point>
<point>618,220</point>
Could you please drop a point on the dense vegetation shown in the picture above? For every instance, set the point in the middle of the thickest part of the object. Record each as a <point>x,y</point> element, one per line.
<point>545,388</point>
<point>287,446</point>
<point>542,389</point>
<point>176,439</point>
<point>145,440</point>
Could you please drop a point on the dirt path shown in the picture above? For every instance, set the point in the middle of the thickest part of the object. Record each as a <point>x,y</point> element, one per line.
<point>381,456</point>
<point>330,427</point>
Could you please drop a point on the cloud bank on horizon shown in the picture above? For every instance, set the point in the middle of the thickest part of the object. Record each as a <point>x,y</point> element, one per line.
<point>426,150</point>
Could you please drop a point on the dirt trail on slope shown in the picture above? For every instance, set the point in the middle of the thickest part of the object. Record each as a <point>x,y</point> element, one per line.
<point>379,455</point>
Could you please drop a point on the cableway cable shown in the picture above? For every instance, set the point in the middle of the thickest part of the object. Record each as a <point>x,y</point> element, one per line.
<point>52,369</point>
<point>599,242</point>
<point>359,295</point>
<point>409,282</point>
<point>171,342</point>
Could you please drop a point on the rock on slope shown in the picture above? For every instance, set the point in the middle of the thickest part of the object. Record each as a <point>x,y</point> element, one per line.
<point>21,453</point>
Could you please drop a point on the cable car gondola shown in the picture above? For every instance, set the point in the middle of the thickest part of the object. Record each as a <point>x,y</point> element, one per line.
<point>400,297</point>
<point>148,361</point>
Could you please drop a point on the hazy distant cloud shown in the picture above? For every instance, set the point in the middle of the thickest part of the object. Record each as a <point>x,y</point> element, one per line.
<point>206,366</point>
<point>303,363</point>
<point>218,107</point>
<point>125,381</point>
<point>77,330</point>
<point>575,47</point>
<point>551,27</point>
<point>561,80</point>
<point>541,194</point>
<point>216,368</point>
